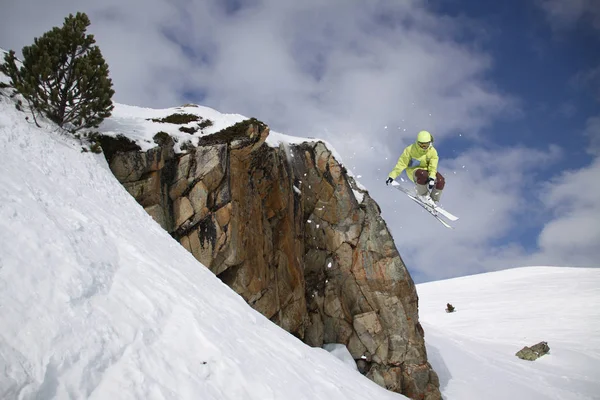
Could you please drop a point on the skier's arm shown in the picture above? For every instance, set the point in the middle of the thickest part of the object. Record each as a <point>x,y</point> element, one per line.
<point>433,163</point>
<point>401,164</point>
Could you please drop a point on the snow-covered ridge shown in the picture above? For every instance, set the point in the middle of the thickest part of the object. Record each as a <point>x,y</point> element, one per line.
<point>136,124</point>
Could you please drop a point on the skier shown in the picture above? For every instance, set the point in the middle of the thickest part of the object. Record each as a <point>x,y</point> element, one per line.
<point>420,160</point>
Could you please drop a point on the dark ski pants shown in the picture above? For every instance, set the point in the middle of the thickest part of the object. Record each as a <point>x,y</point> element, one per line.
<point>421,178</point>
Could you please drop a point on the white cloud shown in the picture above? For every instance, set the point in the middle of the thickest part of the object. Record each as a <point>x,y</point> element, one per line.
<point>301,66</point>
<point>567,13</point>
<point>592,130</point>
<point>572,237</point>
<point>567,109</point>
<point>588,78</point>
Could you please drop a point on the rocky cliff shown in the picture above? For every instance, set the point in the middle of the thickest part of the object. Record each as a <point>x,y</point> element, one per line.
<point>293,234</point>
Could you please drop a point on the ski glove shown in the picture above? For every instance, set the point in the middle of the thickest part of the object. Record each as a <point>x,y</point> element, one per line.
<point>389,180</point>
<point>431,183</point>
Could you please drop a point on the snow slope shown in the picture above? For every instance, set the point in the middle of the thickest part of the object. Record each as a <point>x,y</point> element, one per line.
<point>98,302</point>
<point>497,314</point>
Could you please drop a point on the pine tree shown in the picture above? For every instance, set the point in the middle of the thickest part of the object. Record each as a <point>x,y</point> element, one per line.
<point>64,75</point>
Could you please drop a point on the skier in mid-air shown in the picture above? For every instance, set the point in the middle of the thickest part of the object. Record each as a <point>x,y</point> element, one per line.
<point>420,160</point>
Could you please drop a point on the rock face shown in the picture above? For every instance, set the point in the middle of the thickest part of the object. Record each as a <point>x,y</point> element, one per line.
<point>291,232</point>
<point>534,352</point>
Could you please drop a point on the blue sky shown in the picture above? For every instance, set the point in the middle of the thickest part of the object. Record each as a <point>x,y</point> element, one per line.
<point>542,65</point>
<point>509,89</point>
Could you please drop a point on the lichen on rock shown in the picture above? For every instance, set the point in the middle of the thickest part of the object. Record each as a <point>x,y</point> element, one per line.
<point>534,352</point>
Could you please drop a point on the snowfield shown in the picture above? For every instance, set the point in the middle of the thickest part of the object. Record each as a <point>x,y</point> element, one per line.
<point>496,315</point>
<point>98,302</point>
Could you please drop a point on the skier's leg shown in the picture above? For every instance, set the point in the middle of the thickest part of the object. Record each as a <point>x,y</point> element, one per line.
<point>421,177</point>
<point>436,192</point>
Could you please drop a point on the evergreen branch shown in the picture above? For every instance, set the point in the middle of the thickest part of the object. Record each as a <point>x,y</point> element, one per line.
<point>64,75</point>
<point>32,110</point>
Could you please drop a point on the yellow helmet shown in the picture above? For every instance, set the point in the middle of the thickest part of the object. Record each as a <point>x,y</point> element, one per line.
<point>424,137</point>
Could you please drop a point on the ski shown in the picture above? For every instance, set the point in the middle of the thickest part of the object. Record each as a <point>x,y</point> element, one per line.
<point>436,208</point>
<point>430,211</point>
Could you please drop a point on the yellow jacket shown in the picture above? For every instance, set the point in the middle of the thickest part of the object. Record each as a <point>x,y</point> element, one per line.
<point>413,157</point>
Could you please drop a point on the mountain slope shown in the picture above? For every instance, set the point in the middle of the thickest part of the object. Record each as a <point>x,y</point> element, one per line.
<point>497,314</point>
<point>97,301</point>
